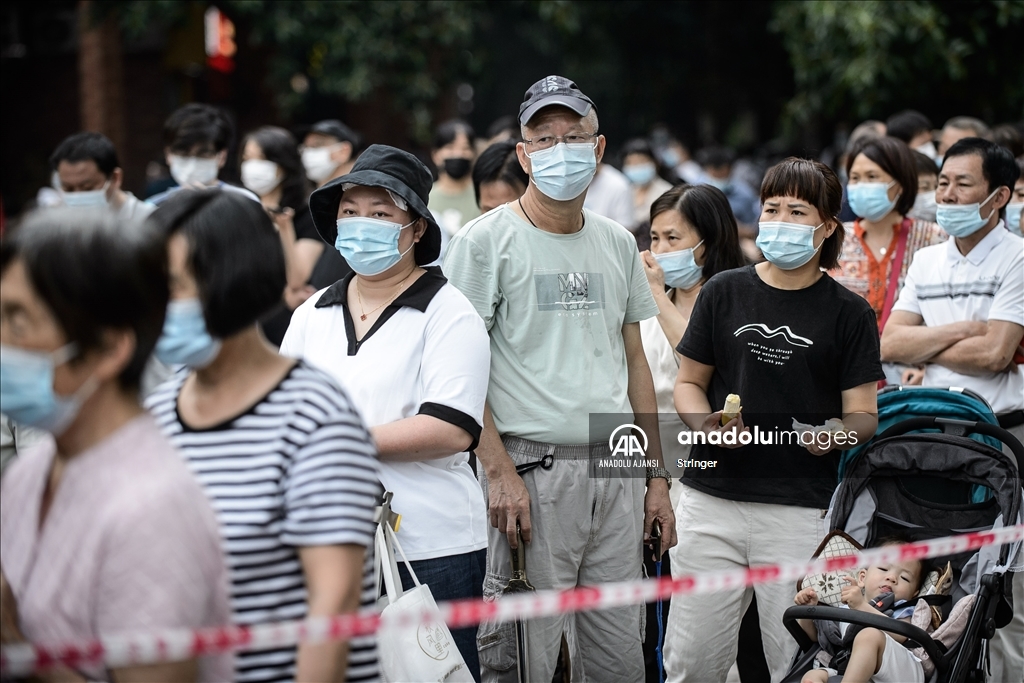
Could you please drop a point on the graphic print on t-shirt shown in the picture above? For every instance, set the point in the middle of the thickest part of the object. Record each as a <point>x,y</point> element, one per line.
<point>575,294</point>
<point>772,353</point>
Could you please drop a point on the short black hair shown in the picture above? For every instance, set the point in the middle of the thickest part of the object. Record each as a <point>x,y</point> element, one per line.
<point>505,124</point>
<point>638,146</point>
<point>998,166</point>
<point>446,133</point>
<point>279,146</point>
<point>499,162</point>
<point>198,124</point>
<point>1010,137</point>
<point>907,124</point>
<point>707,210</point>
<point>96,272</point>
<point>234,252</point>
<point>896,159</point>
<point>815,183</point>
<point>715,156</point>
<point>924,163</point>
<point>87,147</point>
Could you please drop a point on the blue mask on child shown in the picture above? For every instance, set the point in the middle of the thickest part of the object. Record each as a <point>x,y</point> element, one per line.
<point>26,388</point>
<point>185,340</point>
<point>680,268</point>
<point>369,245</point>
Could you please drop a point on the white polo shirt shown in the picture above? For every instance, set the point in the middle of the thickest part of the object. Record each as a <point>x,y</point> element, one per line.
<point>943,286</point>
<point>428,353</point>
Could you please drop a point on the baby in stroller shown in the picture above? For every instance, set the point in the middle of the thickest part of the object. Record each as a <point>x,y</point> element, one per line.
<point>874,655</point>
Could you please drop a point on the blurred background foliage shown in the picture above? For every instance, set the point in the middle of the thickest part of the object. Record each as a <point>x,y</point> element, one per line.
<point>732,72</point>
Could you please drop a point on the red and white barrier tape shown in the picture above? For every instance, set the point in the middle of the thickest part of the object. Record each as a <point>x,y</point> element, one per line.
<point>179,644</point>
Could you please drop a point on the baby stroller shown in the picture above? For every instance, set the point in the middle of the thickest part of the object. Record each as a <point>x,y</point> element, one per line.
<point>924,486</point>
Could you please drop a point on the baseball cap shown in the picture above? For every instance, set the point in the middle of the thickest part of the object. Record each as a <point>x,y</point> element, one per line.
<point>338,130</point>
<point>553,90</point>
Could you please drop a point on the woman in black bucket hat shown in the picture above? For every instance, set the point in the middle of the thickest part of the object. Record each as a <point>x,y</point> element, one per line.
<point>415,357</point>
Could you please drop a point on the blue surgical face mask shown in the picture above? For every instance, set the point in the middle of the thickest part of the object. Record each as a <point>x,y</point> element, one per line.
<point>962,220</point>
<point>84,199</point>
<point>185,340</point>
<point>787,245</point>
<point>26,388</point>
<point>670,157</point>
<point>871,200</point>
<point>369,245</point>
<point>680,267</point>
<point>640,174</point>
<point>1013,212</point>
<point>563,172</point>
<point>721,183</point>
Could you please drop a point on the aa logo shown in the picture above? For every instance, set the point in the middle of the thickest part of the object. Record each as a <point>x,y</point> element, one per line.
<point>627,444</point>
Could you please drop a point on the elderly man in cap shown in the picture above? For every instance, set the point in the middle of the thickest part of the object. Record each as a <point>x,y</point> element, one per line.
<point>561,291</point>
<point>329,151</point>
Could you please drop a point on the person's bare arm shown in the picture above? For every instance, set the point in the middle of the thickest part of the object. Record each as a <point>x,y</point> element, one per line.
<point>640,389</point>
<point>906,339</point>
<point>990,352</point>
<point>334,576</point>
<point>860,417</point>
<point>508,501</point>
<point>690,393</point>
<point>420,437</point>
<point>808,597</point>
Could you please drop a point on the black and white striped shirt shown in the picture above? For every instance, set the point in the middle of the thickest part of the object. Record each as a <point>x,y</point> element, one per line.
<point>296,469</point>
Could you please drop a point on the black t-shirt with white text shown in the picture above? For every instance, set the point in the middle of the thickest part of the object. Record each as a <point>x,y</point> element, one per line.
<point>788,354</point>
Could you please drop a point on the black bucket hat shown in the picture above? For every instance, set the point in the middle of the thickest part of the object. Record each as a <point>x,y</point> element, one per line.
<point>394,170</point>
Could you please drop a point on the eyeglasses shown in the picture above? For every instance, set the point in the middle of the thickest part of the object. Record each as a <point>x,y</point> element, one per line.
<point>548,141</point>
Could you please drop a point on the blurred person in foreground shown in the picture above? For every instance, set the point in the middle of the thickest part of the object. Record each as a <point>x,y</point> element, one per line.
<point>415,355</point>
<point>329,150</point>
<point>196,141</point>
<point>914,129</point>
<point>276,444</point>
<point>927,183</point>
<point>961,314</point>
<point>641,169</point>
<point>103,529</point>
<point>451,198</point>
<point>87,173</point>
<point>272,168</point>
<point>958,128</point>
<point>498,178</point>
<point>562,291</point>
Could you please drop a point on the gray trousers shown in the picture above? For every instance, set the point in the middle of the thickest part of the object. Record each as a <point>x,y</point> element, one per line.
<point>585,531</point>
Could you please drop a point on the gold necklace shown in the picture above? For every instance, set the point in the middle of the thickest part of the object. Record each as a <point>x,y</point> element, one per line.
<point>359,295</point>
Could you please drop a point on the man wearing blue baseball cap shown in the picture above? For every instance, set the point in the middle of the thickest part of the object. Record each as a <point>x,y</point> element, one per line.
<point>562,291</point>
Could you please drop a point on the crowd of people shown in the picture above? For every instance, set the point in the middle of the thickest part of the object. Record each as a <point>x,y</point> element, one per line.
<point>207,392</point>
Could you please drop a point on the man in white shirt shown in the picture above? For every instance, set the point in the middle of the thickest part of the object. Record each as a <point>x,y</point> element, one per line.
<point>961,311</point>
<point>610,195</point>
<point>86,172</point>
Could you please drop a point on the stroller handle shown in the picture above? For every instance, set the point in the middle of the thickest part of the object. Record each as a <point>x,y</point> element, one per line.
<point>849,616</point>
<point>965,427</point>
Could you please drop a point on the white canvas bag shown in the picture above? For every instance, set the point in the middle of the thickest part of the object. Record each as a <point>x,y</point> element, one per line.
<point>418,654</point>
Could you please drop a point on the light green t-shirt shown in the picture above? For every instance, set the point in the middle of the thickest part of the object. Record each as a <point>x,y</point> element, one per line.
<point>554,306</point>
<point>453,210</point>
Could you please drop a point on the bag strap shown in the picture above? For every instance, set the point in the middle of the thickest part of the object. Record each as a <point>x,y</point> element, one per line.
<point>386,541</point>
<point>896,267</point>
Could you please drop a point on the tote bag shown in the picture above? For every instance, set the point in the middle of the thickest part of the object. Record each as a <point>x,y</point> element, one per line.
<point>423,653</point>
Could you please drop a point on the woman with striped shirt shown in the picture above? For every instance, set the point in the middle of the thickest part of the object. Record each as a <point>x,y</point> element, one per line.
<point>283,456</point>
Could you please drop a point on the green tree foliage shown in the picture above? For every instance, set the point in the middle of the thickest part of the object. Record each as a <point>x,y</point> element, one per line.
<point>868,59</point>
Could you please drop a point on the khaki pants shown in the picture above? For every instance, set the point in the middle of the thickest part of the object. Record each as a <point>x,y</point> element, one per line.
<point>585,531</point>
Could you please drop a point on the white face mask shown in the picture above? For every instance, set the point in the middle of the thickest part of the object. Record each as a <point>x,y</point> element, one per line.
<point>260,176</point>
<point>924,206</point>
<point>318,163</point>
<point>84,199</point>
<point>928,149</point>
<point>193,170</point>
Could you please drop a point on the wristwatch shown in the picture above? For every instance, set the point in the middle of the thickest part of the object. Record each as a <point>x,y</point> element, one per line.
<point>659,473</point>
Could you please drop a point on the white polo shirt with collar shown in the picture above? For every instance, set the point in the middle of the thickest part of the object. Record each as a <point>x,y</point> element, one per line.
<point>429,354</point>
<point>944,286</point>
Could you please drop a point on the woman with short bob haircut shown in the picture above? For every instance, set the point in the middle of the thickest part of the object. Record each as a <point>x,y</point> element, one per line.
<point>276,444</point>
<point>103,530</point>
<point>882,191</point>
<point>796,351</point>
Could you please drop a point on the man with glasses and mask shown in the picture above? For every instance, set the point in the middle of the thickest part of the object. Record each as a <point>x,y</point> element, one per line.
<point>196,140</point>
<point>86,172</point>
<point>562,291</point>
<point>961,312</point>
